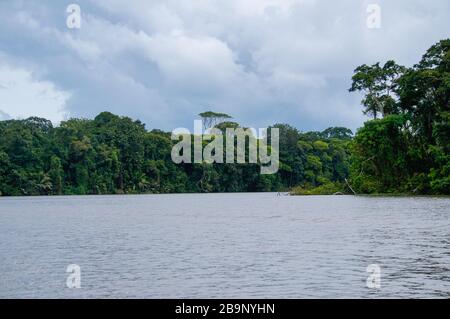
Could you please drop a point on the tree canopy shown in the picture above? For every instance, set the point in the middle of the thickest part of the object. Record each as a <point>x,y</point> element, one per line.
<point>404,149</point>
<point>211,119</point>
<point>408,149</point>
<point>112,155</point>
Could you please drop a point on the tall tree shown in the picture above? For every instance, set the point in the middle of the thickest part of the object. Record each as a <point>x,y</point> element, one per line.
<point>211,119</point>
<point>378,83</point>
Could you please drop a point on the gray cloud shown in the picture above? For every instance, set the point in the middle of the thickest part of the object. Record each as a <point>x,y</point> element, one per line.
<point>4,116</point>
<point>263,61</point>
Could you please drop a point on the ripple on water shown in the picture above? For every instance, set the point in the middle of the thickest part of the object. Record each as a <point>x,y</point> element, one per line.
<point>194,246</point>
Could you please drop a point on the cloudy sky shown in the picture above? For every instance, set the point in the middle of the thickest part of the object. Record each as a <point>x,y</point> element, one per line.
<point>262,61</point>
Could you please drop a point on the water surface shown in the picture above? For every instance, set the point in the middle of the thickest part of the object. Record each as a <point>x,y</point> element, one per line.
<point>224,246</point>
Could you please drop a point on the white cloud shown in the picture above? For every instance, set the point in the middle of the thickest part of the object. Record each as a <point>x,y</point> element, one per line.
<point>22,96</point>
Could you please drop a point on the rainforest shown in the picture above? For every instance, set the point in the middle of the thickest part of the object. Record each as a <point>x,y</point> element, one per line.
<point>402,149</point>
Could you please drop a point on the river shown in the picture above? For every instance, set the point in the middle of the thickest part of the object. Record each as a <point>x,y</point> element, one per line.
<point>225,246</point>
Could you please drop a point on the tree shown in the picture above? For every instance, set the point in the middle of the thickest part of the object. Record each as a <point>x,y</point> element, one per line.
<point>408,152</point>
<point>380,156</point>
<point>425,91</point>
<point>211,119</point>
<point>337,132</point>
<point>56,175</point>
<point>5,181</point>
<point>114,154</point>
<point>378,83</point>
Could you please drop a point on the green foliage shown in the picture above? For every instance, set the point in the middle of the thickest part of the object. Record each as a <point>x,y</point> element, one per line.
<point>116,155</point>
<point>211,119</point>
<point>313,157</point>
<point>378,83</point>
<point>328,188</point>
<point>337,132</point>
<point>380,151</point>
<point>407,152</point>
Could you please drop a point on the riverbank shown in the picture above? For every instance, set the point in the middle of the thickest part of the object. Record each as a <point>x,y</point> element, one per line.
<point>297,191</point>
<point>342,189</point>
<point>331,188</point>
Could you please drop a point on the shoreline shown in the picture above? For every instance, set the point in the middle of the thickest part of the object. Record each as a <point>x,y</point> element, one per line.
<point>287,194</point>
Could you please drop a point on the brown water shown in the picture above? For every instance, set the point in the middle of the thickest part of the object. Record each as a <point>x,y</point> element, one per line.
<point>224,246</point>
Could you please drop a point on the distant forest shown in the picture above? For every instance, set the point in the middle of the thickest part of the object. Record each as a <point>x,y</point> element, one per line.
<point>403,149</point>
